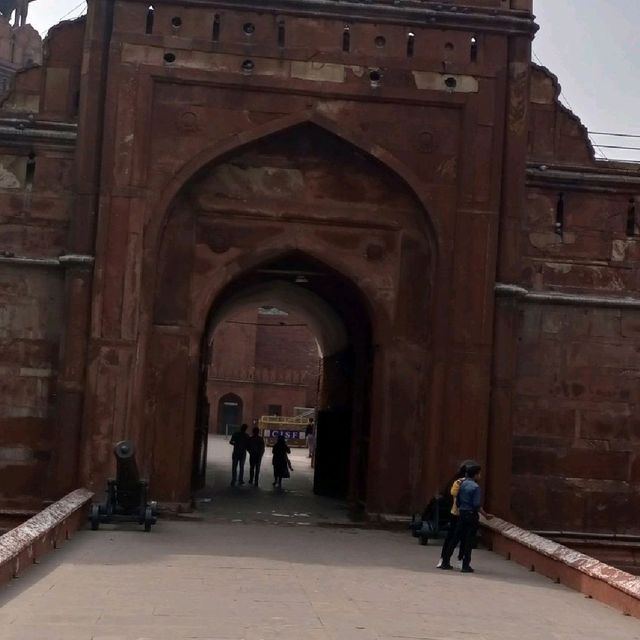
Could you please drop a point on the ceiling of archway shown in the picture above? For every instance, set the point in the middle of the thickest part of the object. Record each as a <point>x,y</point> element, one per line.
<point>323,321</point>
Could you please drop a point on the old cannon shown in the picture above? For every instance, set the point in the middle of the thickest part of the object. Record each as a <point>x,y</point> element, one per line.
<point>127,495</point>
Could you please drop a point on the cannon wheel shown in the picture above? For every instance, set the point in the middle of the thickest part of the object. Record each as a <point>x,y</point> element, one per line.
<point>148,518</point>
<point>95,517</point>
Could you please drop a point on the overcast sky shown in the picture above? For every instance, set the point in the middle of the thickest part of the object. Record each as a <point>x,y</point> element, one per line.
<point>591,45</point>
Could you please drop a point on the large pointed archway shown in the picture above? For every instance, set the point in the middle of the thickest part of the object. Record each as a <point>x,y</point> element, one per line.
<point>299,194</point>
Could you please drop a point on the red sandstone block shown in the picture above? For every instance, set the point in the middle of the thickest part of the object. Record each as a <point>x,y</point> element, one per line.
<point>630,324</point>
<point>540,209</point>
<point>610,510</point>
<point>599,278</point>
<point>580,463</point>
<point>614,389</point>
<point>605,323</point>
<point>606,425</point>
<point>534,461</point>
<point>537,358</point>
<point>601,355</point>
<point>533,420</point>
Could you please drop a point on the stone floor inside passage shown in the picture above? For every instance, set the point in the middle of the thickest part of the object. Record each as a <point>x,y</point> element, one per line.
<point>259,565</point>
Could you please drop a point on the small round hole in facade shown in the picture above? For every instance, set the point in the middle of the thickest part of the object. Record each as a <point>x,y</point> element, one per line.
<point>248,66</point>
<point>450,82</point>
<point>249,28</point>
<point>375,77</point>
<point>169,57</point>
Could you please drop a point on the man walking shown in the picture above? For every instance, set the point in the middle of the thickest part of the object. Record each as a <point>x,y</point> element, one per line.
<point>240,441</point>
<point>256,451</point>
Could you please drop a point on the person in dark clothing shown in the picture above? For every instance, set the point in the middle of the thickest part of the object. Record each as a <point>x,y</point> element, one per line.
<point>255,447</point>
<point>240,441</point>
<point>469,501</point>
<point>281,463</point>
<point>451,493</point>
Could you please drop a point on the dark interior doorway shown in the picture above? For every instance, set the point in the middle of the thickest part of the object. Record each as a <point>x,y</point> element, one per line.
<point>229,413</point>
<point>337,315</point>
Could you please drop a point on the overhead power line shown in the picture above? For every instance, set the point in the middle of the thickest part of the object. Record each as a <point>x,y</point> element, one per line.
<point>614,135</point>
<point>613,146</point>
<point>81,5</point>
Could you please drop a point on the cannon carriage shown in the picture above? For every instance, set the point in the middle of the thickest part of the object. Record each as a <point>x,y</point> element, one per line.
<point>127,495</point>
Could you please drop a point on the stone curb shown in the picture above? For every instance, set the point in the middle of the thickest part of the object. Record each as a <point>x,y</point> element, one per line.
<point>45,531</point>
<point>572,568</point>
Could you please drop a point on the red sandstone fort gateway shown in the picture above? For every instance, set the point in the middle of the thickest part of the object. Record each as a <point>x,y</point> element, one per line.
<point>470,271</point>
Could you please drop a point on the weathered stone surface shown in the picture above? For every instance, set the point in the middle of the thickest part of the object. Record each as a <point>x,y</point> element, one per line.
<point>404,173</point>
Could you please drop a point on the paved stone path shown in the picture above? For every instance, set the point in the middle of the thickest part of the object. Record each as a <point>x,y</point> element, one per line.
<point>265,577</point>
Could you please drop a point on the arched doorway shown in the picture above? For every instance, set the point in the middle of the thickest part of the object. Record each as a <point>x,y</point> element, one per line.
<point>303,201</point>
<point>338,317</point>
<point>229,416</point>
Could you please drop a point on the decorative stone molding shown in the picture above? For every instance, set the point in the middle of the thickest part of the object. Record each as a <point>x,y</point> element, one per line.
<point>68,261</point>
<point>555,297</point>
<point>75,259</point>
<point>409,12</point>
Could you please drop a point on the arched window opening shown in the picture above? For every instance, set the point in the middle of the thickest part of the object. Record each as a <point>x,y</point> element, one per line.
<point>631,219</point>
<point>473,53</point>
<point>30,172</point>
<point>215,31</point>
<point>150,17</point>
<point>281,34</point>
<point>346,39</point>
<point>411,44</point>
<point>559,224</point>
<point>229,413</point>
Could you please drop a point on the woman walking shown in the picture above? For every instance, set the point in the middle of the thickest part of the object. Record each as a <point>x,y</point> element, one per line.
<point>281,463</point>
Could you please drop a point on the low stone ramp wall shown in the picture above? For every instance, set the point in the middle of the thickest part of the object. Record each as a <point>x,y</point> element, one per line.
<point>27,543</point>
<point>566,566</point>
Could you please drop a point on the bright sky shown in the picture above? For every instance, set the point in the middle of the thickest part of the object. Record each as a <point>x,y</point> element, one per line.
<point>591,45</point>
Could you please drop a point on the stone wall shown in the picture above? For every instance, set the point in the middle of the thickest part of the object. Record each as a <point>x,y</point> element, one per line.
<point>568,351</point>
<point>419,163</point>
<point>264,360</point>
<point>37,187</point>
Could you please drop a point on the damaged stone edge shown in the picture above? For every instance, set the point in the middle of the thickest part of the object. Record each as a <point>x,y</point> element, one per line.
<point>68,260</point>
<point>30,129</point>
<point>27,543</point>
<point>575,299</point>
<point>618,176</point>
<point>407,12</point>
<point>572,568</point>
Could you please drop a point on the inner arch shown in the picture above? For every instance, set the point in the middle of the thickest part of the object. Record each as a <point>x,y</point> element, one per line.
<point>335,312</point>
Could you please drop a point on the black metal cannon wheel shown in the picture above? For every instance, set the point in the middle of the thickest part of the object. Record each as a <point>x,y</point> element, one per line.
<point>95,517</point>
<point>148,518</point>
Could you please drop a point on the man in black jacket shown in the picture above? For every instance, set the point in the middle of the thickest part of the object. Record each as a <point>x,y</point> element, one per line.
<point>240,441</point>
<point>256,451</point>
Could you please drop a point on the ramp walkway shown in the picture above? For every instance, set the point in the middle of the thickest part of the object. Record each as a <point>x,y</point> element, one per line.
<point>265,566</point>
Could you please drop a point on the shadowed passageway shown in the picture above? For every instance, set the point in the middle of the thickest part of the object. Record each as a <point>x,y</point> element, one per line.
<point>297,504</point>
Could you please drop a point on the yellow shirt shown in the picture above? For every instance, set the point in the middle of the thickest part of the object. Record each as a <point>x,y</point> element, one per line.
<point>455,488</point>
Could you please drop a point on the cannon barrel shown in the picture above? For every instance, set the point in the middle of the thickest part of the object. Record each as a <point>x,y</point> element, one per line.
<point>127,476</point>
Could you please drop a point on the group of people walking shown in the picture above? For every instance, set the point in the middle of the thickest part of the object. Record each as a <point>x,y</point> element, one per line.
<point>254,445</point>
